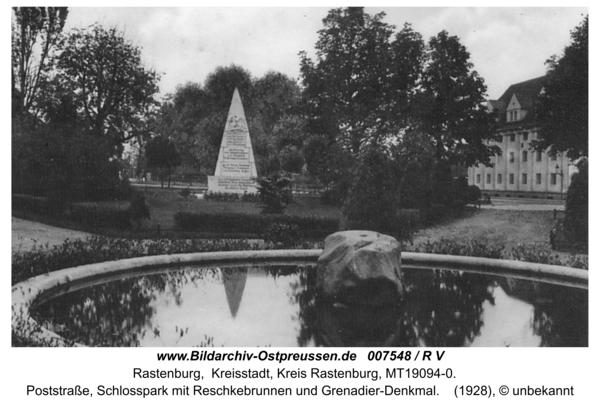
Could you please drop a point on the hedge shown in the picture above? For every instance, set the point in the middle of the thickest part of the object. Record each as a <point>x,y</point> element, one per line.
<point>85,213</point>
<point>309,226</point>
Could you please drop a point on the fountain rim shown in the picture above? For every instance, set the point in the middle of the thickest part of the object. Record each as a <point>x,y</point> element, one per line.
<point>26,294</point>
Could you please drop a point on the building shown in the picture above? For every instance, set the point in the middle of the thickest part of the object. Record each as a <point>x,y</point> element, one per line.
<point>520,171</point>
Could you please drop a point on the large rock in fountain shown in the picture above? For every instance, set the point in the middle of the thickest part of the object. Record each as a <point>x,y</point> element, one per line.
<point>360,267</point>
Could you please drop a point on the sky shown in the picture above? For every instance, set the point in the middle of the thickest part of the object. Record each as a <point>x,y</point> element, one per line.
<point>507,45</point>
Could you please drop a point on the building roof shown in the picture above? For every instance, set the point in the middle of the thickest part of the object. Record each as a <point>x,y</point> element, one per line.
<point>526,93</point>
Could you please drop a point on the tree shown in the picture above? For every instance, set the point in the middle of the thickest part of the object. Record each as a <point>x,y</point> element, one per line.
<point>220,84</point>
<point>451,104</point>
<point>112,89</point>
<point>162,154</point>
<point>30,61</point>
<point>275,96</point>
<point>562,108</point>
<point>195,117</point>
<point>371,88</point>
<point>347,90</point>
<point>371,202</point>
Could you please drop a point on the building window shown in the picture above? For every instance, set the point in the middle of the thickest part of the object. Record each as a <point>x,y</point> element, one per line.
<point>538,156</point>
<point>499,178</point>
<point>511,157</point>
<point>553,179</point>
<point>552,156</point>
<point>488,178</point>
<point>525,136</point>
<point>511,178</point>
<point>512,138</point>
<point>524,156</point>
<point>538,178</point>
<point>524,180</point>
<point>478,178</point>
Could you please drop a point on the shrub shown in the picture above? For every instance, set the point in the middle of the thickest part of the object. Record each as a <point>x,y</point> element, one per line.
<point>309,227</point>
<point>185,193</point>
<point>441,183</point>
<point>576,210</point>
<point>473,194</point>
<point>231,197</point>
<point>414,187</point>
<point>460,188</point>
<point>274,193</point>
<point>138,209</point>
<point>282,235</point>
<point>535,253</point>
<point>98,217</point>
<point>371,201</point>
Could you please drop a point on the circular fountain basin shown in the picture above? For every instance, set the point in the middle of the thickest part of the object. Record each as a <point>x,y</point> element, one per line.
<point>270,298</point>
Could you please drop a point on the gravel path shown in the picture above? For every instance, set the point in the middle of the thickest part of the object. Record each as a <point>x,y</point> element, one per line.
<point>27,234</point>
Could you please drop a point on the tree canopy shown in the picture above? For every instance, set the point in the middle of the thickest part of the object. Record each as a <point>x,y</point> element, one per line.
<point>195,118</point>
<point>33,26</point>
<point>562,108</point>
<point>104,74</point>
<point>371,85</point>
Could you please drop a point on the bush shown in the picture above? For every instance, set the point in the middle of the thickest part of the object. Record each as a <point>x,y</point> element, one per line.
<point>185,193</point>
<point>371,201</point>
<point>309,227</point>
<point>576,210</point>
<point>473,194</point>
<point>333,197</point>
<point>441,183</point>
<point>460,188</point>
<point>282,235</point>
<point>535,253</point>
<point>100,217</point>
<point>138,209</point>
<point>274,193</point>
<point>414,187</point>
<point>231,197</point>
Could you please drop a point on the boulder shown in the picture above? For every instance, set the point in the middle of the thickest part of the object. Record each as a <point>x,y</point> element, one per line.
<point>360,267</point>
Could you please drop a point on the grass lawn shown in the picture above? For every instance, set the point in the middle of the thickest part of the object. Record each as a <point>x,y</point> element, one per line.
<point>164,203</point>
<point>505,227</point>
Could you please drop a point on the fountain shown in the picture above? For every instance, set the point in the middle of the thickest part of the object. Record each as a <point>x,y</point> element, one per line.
<point>262,298</point>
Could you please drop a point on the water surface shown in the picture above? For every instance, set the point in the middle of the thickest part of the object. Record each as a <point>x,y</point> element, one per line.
<point>279,306</point>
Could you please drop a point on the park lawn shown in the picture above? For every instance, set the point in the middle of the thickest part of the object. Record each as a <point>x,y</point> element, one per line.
<point>506,227</point>
<point>165,203</point>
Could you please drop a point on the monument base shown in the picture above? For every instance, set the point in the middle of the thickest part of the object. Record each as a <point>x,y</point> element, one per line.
<point>231,184</point>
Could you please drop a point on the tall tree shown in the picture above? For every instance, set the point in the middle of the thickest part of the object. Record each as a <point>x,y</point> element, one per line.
<point>35,31</point>
<point>347,88</point>
<point>113,90</point>
<point>161,153</point>
<point>562,108</point>
<point>451,106</point>
<point>195,117</point>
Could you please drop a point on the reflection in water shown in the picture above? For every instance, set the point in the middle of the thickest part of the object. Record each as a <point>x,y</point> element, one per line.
<point>234,280</point>
<point>280,306</point>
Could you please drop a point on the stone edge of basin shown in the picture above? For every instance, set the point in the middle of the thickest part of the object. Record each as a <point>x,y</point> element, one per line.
<point>24,294</point>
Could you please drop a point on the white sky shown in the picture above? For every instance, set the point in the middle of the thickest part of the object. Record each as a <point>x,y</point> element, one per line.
<point>507,45</point>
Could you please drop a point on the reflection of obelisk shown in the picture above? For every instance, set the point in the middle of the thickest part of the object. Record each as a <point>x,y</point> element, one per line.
<point>235,166</point>
<point>234,281</point>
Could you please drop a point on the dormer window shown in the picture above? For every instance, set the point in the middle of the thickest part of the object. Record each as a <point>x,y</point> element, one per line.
<point>512,115</point>
<point>513,109</point>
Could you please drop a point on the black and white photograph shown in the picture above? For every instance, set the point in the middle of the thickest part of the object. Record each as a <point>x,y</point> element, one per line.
<point>299,177</point>
<point>255,179</point>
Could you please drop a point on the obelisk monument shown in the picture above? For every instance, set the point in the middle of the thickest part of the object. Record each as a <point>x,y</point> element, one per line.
<point>235,167</point>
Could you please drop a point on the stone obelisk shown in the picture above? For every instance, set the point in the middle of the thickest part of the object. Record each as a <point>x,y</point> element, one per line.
<point>235,167</point>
